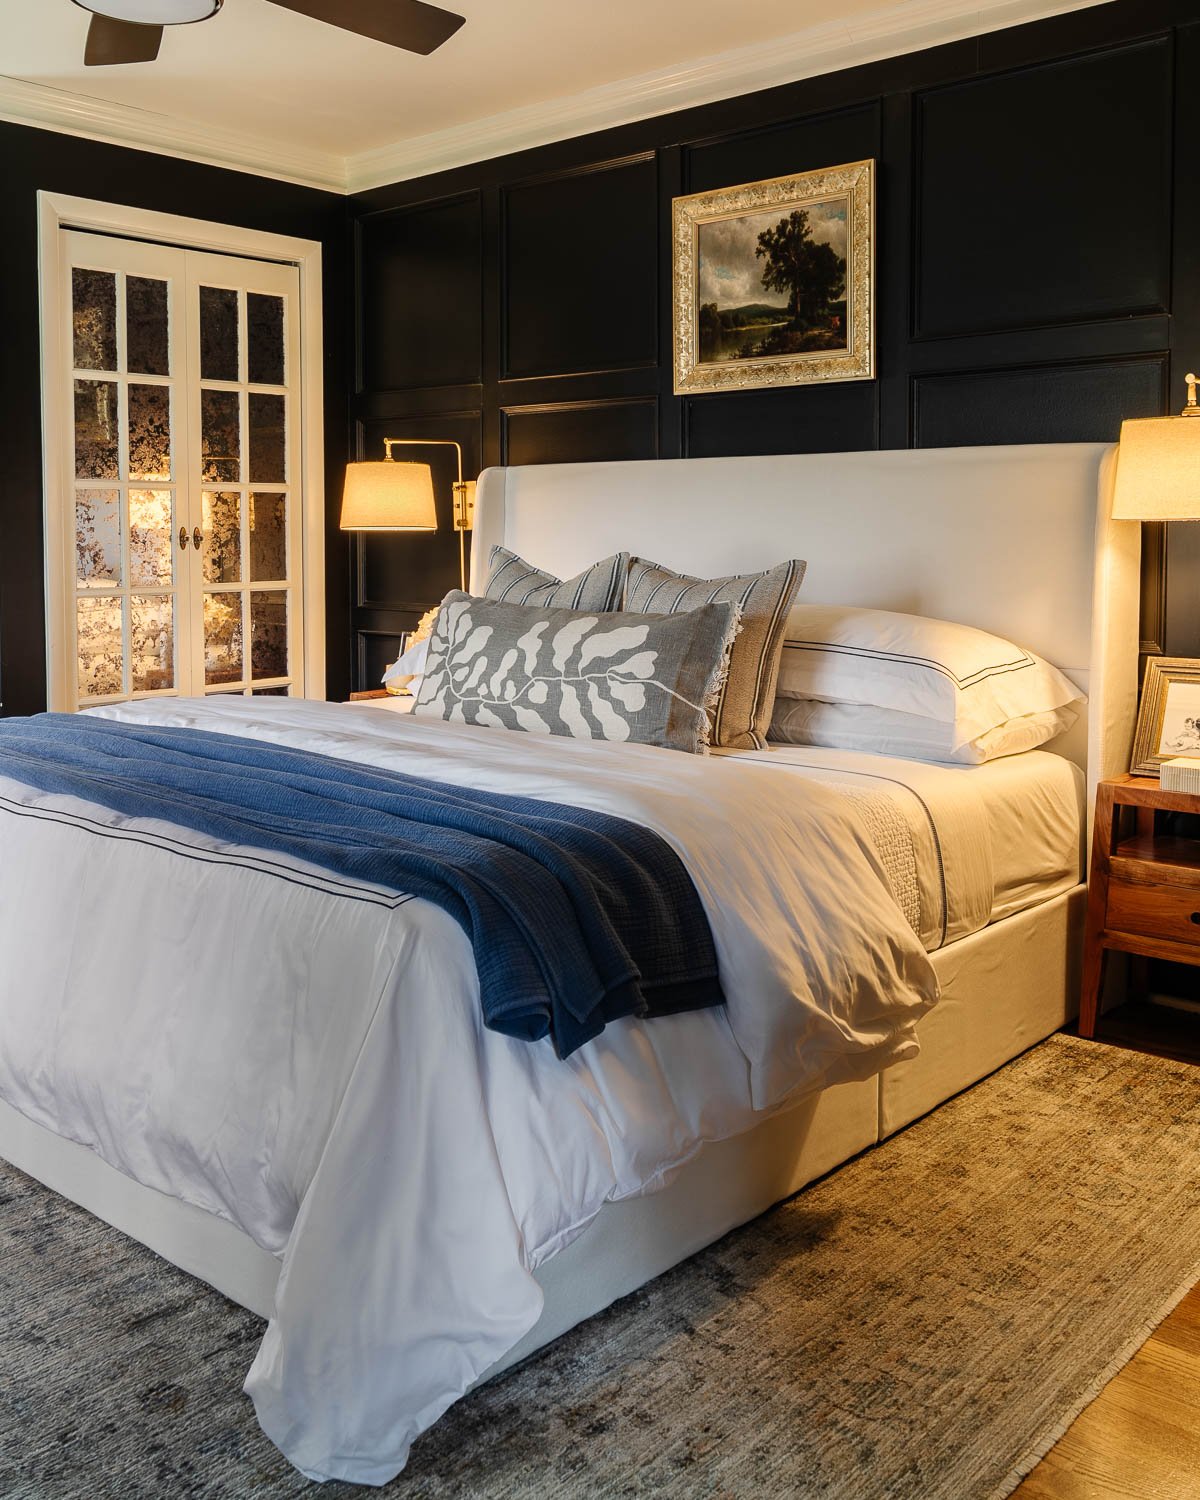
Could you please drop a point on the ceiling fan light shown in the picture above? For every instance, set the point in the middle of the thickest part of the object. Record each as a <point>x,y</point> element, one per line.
<point>153,12</point>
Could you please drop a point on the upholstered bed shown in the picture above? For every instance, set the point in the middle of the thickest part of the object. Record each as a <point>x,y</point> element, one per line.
<point>1014,540</point>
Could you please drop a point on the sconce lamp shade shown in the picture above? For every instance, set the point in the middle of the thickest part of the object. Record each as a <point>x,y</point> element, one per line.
<point>1158,470</point>
<point>388,496</point>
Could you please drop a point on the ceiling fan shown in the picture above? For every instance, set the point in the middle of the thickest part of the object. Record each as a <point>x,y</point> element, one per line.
<point>129,31</point>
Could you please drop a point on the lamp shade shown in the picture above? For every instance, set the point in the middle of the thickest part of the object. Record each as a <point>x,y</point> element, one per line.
<point>388,496</point>
<point>1158,470</point>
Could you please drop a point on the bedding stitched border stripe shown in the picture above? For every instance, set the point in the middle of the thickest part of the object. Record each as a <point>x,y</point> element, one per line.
<point>576,917</point>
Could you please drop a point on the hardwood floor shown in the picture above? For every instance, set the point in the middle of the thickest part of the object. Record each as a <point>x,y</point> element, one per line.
<point>1140,1438</point>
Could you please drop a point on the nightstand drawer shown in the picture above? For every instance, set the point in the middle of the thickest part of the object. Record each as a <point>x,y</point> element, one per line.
<point>1168,911</point>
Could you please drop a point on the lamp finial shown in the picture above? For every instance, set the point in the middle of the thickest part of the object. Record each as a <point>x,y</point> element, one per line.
<point>1191,409</point>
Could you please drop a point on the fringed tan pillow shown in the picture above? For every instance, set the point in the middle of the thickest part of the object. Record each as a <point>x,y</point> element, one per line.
<point>743,713</point>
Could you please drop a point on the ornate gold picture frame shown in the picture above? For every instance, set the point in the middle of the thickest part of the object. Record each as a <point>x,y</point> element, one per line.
<point>774,282</point>
<point>1169,717</point>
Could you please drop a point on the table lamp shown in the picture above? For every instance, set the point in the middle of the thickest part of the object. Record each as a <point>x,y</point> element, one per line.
<point>1158,466</point>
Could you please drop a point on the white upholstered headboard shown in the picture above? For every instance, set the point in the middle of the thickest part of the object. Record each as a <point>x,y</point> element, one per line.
<point>1016,540</point>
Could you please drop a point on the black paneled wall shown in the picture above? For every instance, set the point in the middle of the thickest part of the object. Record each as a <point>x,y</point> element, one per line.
<point>1038,239</point>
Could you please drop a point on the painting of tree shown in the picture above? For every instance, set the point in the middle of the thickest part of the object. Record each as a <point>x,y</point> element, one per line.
<point>773,285</point>
<point>773,281</point>
<point>813,276</point>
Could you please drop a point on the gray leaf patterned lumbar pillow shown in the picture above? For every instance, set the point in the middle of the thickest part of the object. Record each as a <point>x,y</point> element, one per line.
<point>513,580</point>
<point>743,713</point>
<point>646,678</point>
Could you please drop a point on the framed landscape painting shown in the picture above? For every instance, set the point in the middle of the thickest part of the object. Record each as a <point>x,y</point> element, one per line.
<point>773,282</point>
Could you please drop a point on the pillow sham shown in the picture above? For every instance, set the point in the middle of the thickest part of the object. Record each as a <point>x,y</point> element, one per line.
<point>743,711</point>
<point>514,581</point>
<point>887,731</point>
<point>650,679</point>
<point>965,678</point>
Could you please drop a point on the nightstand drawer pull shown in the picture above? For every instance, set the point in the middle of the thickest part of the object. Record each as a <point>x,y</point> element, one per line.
<point>1196,918</point>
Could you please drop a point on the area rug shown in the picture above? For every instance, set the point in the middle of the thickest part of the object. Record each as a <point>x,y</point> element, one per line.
<point>925,1322</point>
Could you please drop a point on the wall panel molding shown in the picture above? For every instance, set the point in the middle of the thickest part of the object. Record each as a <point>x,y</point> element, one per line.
<point>579,270</point>
<point>420,272</point>
<point>580,431</point>
<point>1154,589</point>
<point>1082,402</point>
<point>1014,227</point>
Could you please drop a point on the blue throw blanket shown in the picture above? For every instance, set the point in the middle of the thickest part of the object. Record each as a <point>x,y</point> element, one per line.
<point>576,917</point>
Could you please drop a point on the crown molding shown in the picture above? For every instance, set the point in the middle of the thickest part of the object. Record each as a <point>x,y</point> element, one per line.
<point>24,103</point>
<point>826,48</point>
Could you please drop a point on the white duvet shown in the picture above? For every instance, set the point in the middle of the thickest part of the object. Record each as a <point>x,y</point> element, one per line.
<point>305,1057</point>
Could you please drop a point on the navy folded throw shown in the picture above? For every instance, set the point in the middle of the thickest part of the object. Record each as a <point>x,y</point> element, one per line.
<point>576,917</point>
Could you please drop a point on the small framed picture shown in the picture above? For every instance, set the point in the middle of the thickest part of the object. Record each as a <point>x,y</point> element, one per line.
<point>1169,718</point>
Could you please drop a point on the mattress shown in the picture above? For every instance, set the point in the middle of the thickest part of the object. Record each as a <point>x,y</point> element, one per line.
<point>963,846</point>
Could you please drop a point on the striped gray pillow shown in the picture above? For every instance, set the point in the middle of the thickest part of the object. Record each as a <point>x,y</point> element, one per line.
<point>514,581</point>
<point>743,713</point>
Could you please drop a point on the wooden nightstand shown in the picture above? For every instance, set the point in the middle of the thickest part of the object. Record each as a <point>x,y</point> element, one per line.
<point>1144,889</point>
<point>368,695</point>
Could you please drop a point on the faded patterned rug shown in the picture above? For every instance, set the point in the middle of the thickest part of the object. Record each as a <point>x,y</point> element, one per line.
<point>923,1323</point>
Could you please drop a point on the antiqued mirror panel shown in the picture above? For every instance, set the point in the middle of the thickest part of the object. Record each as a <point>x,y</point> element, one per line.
<point>147,328</point>
<point>219,340</point>
<point>149,431</point>
<point>152,643</point>
<point>222,532</point>
<point>268,439</point>
<point>268,537</point>
<point>268,634</point>
<point>97,430</point>
<point>98,539</point>
<point>264,339</point>
<point>101,654</point>
<point>222,638</point>
<point>94,319</point>
<point>151,538</point>
<point>220,436</point>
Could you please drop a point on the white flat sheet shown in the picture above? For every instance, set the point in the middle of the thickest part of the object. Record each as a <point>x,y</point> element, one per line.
<point>963,846</point>
<point>304,1056</point>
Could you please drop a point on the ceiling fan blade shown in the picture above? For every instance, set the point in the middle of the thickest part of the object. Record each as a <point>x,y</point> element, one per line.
<point>110,41</point>
<point>410,24</point>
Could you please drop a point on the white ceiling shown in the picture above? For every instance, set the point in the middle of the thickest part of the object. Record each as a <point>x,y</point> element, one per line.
<point>302,99</point>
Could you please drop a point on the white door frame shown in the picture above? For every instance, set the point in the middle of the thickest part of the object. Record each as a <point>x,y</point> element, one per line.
<point>58,211</point>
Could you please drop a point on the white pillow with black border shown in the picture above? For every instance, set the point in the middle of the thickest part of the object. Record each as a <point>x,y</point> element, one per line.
<point>887,731</point>
<point>966,679</point>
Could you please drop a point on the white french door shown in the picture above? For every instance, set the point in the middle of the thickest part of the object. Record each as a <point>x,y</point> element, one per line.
<point>183,514</point>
